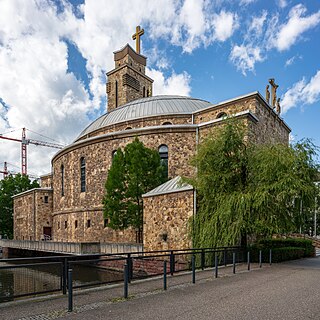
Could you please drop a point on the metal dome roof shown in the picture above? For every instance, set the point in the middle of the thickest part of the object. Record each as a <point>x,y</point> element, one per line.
<point>147,107</point>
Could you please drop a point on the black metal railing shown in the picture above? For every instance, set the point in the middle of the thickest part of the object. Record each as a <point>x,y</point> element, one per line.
<point>32,276</point>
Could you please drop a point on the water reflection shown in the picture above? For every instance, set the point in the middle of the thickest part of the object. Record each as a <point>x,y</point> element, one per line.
<point>17,281</point>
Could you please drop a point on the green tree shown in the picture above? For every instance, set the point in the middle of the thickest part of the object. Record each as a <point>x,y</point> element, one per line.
<point>133,172</point>
<point>248,189</point>
<point>10,186</point>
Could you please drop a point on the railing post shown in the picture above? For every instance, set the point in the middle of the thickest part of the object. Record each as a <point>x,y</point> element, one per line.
<point>70,291</point>
<point>270,257</point>
<point>216,264</point>
<point>225,257</point>
<point>260,259</point>
<point>193,263</point>
<point>202,259</point>
<point>248,260</point>
<point>64,275</point>
<point>172,263</point>
<point>130,267</point>
<point>165,275</point>
<point>234,262</point>
<point>126,281</point>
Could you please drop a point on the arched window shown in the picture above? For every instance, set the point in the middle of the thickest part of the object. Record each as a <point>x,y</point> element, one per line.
<point>62,180</point>
<point>167,123</point>
<point>163,152</point>
<point>82,174</point>
<point>222,115</point>
<point>128,128</point>
<point>144,91</point>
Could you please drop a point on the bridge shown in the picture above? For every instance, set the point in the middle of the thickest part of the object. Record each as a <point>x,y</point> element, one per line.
<point>74,248</point>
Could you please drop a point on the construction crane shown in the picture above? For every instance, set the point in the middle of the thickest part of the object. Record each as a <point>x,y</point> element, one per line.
<point>24,142</point>
<point>5,172</point>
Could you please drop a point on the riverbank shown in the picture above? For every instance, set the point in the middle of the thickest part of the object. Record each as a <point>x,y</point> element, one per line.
<point>55,306</point>
<point>281,291</point>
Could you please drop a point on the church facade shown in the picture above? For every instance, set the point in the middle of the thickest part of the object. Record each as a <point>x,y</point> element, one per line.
<point>68,206</point>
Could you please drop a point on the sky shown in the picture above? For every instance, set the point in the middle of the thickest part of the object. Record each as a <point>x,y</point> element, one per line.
<point>54,55</point>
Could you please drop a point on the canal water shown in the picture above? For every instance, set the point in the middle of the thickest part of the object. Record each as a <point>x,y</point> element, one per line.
<point>19,280</point>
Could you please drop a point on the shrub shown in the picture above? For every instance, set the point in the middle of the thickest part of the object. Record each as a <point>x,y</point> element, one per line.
<point>282,249</point>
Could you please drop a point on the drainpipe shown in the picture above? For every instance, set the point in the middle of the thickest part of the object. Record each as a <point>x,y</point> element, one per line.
<point>194,191</point>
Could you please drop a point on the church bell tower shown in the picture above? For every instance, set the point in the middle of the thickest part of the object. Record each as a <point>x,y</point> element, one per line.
<point>128,81</point>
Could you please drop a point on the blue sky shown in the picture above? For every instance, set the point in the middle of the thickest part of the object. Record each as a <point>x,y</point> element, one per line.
<point>54,56</point>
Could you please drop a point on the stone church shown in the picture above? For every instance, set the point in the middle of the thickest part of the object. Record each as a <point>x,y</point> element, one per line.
<point>68,206</point>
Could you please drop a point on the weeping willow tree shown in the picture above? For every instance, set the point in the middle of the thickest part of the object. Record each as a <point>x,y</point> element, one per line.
<point>249,189</point>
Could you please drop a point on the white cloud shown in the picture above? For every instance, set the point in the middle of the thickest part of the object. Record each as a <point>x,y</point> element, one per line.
<point>245,57</point>
<point>266,32</point>
<point>176,84</point>
<point>291,60</point>
<point>302,93</point>
<point>256,26</point>
<point>282,3</point>
<point>35,84</point>
<point>246,2</point>
<point>224,23</point>
<point>290,32</point>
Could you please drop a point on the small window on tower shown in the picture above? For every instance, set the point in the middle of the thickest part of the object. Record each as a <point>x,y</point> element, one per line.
<point>46,199</point>
<point>105,222</point>
<point>76,224</point>
<point>88,223</point>
<point>66,224</point>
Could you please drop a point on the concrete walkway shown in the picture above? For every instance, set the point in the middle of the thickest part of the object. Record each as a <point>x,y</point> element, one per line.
<point>282,291</point>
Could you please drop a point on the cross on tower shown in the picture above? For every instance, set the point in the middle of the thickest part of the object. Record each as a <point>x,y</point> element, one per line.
<point>136,36</point>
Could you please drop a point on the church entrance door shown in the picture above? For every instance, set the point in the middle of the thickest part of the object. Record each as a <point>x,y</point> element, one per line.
<point>47,233</point>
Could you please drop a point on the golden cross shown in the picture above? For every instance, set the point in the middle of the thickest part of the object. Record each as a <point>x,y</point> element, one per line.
<point>136,36</point>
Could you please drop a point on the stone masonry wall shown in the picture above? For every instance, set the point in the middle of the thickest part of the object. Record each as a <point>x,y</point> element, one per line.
<point>74,227</point>
<point>83,206</point>
<point>270,128</point>
<point>167,214</point>
<point>141,123</point>
<point>32,212</point>
<point>125,92</point>
<point>23,217</point>
<point>229,108</point>
<point>46,181</point>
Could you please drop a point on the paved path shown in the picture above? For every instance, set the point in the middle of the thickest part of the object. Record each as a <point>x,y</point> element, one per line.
<point>282,291</point>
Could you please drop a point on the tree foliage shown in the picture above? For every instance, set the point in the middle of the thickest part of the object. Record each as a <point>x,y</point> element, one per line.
<point>249,189</point>
<point>133,172</point>
<point>10,186</point>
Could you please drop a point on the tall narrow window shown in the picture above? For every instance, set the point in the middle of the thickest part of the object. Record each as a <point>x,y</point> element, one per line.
<point>62,180</point>
<point>82,174</point>
<point>116,94</point>
<point>144,92</point>
<point>163,152</point>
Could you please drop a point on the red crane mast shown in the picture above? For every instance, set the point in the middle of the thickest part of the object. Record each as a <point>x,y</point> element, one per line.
<point>24,142</point>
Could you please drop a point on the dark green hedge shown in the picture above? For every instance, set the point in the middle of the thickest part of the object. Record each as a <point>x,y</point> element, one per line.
<point>282,249</point>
